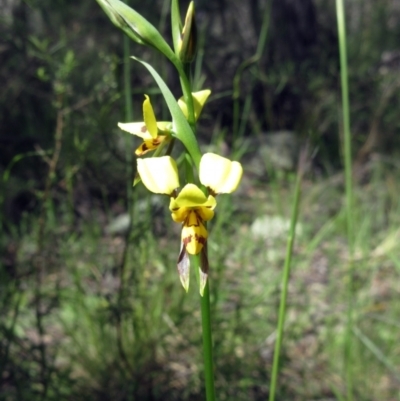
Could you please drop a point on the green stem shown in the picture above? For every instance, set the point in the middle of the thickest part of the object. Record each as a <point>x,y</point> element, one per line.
<point>285,281</point>
<point>349,188</point>
<point>129,201</point>
<point>346,121</point>
<point>207,344</point>
<point>187,94</point>
<point>127,90</point>
<point>195,260</point>
<point>187,91</point>
<point>182,68</point>
<point>128,156</point>
<point>188,169</point>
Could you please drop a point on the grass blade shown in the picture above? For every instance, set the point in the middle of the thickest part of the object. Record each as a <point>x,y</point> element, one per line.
<point>286,274</point>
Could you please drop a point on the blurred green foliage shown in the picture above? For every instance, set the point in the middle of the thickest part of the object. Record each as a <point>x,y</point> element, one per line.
<point>63,179</point>
<point>66,55</point>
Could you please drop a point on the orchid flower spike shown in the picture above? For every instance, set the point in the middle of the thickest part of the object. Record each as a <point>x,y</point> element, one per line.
<point>191,206</point>
<point>152,132</point>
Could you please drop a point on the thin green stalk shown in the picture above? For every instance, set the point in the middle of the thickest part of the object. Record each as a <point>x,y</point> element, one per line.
<point>377,352</point>
<point>187,94</point>
<point>346,121</point>
<point>188,169</point>
<point>128,105</point>
<point>129,197</point>
<point>207,344</point>
<point>349,188</point>
<point>182,68</point>
<point>206,332</point>
<point>285,280</point>
<point>246,64</point>
<point>128,117</point>
<point>186,84</point>
<point>195,261</point>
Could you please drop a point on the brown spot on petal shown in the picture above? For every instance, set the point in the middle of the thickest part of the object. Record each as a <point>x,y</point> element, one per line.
<point>143,129</point>
<point>142,149</point>
<point>211,192</point>
<point>187,240</point>
<point>200,239</point>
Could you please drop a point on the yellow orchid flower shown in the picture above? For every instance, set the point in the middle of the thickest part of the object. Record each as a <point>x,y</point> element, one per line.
<point>154,132</point>
<point>199,100</point>
<point>150,130</point>
<point>191,206</point>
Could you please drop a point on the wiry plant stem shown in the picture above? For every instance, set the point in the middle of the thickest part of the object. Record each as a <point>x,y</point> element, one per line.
<point>207,344</point>
<point>286,275</point>
<point>349,189</point>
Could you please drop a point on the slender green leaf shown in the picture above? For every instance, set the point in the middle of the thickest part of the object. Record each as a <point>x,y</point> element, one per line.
<point>348,350</point>
<point>336,392</point>
<point>379,355</point>
<point>286,275</point>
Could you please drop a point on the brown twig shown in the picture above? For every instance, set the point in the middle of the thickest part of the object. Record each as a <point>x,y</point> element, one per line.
<point>40,261</point>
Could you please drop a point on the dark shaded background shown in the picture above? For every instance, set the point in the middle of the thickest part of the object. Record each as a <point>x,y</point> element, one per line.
<point>61,76</point>
<point>66,54</point>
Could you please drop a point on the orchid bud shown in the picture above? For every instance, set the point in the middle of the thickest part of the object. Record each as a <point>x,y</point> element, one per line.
<point>188,40</point>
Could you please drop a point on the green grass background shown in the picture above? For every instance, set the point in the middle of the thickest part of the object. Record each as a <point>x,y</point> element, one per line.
<point>86,314</point>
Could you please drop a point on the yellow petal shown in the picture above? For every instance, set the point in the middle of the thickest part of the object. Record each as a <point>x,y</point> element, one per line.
<point>191,196</point>
<point>219,174</point>
<point>194,234</point>
<point>206,212</point>
<point>199,100</point>
<point>149,145</point>
<point>149,117</point>
<point>159,174</point>
<point>192,219</point>
<point>179,214</point>
<point>138,129</point>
